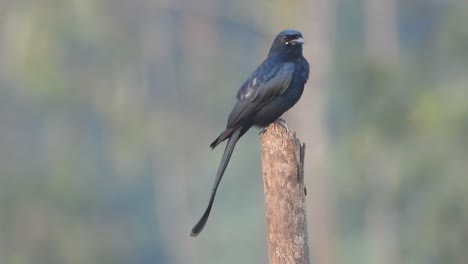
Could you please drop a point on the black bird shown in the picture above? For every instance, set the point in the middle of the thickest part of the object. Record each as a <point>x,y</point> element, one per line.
<point>274,87</point>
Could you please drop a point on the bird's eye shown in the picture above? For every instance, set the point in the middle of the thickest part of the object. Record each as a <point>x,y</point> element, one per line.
<point>284,38</point>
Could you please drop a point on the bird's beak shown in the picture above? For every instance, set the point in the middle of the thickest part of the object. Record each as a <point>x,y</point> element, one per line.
<point>297,41</point>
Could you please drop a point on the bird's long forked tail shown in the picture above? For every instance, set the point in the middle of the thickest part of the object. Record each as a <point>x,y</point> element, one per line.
<point>222,167</point>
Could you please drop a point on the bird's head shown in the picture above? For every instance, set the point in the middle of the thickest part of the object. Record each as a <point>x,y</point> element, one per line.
<point>288,42</point>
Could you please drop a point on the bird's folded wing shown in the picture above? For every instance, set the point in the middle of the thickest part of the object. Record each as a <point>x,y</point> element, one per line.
<point>267,81</point>
<point>263,86</point>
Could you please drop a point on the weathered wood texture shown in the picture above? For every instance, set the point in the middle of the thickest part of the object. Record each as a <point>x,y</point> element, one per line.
<point>283,181</point>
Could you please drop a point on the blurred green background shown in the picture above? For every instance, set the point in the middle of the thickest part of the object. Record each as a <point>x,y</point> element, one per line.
<point>107,109</point>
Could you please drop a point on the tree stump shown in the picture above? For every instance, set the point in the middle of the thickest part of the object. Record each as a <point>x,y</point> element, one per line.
<point>283,182</point>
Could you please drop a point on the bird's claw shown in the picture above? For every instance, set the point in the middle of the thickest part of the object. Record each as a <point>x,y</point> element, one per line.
<point>280,121</point>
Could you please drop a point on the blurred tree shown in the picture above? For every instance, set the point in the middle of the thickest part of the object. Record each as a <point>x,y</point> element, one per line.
<point>383,168</point>
<point>309,118</point>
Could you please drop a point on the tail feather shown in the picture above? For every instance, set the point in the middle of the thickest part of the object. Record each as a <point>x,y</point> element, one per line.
<point>223,136</point>
<point>233,138</point>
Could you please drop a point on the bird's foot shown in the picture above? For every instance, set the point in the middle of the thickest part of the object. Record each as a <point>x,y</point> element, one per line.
<point>280,121</point>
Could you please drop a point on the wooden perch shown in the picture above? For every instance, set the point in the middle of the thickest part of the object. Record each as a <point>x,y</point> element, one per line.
<point>283,182</point>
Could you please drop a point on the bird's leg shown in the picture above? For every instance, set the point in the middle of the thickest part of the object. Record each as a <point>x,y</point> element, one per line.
<point>280,121</point>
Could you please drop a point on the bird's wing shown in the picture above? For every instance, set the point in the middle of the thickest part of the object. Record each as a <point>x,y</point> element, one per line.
<point>267,82</point>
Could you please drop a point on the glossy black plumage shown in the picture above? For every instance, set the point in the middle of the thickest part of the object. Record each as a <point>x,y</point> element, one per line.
<point>274,87</point>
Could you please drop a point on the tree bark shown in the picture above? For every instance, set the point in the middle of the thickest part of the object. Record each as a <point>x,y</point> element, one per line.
<point>283,181</point>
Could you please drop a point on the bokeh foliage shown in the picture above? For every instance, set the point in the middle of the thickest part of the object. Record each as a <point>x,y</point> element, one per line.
<point>107,109</point>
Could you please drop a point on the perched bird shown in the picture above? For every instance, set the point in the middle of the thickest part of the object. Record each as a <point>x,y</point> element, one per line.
<point>274,87</point>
